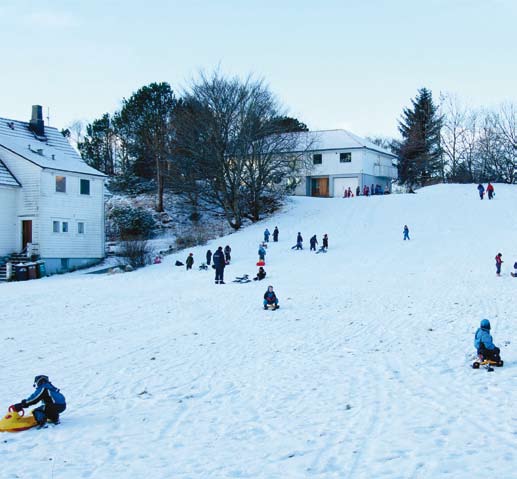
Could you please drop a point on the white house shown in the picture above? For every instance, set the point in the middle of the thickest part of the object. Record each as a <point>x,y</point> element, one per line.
<point>342,160</point>
<point>51,201</point>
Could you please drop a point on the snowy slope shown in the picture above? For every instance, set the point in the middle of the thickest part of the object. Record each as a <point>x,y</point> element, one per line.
<point>363,372</point>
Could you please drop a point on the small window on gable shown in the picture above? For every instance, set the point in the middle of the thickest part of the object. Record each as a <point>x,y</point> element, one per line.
<point>317,159</point>
<point>64,226</point>
<point>345,157</point>
<point>61,184</point>
<point>85,187</point>
<point>80,228</point>
<point>55,226</point>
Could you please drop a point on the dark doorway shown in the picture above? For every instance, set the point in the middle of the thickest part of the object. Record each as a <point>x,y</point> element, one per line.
<point>26,233</point>
<point>320,187</point>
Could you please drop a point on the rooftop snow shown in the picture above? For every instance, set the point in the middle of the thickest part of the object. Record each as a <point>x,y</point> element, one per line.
<point>55,153</point>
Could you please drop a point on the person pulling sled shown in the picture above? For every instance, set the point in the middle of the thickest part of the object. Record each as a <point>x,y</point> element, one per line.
<point>54,402</point>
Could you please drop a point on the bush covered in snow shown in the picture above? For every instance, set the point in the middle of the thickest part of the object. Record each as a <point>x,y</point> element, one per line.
<point>127,221</point>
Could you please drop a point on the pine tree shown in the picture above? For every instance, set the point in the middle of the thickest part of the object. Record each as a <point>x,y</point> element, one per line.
<point>420,152</point>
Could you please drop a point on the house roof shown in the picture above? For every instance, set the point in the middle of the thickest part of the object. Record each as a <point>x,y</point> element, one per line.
<point>52,151</point>
<point>6,177</point>
<point>339,140</point>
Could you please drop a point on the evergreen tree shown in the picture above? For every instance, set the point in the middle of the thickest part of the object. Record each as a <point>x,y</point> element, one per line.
<point>98,148</point>
<point>420,152</point>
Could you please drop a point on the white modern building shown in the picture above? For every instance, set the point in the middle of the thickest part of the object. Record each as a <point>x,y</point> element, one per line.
<point>51,201</point>
<point>342,160</point>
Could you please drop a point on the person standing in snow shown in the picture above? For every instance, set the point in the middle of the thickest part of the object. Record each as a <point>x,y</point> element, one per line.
<point>266,235</point>
<point>498,262</point>
<point>219,263</point>
<point>406,233</point>
<point>227,254</point>
<point>299,242</point>
<point>481,191</point>
<point>490,191</point>
<point>208,257</point>
<point>325,245</point>
<point>275,234</point>
<point>484,343</point>
<point>190,261</point>
<point>313,242</point>
<point>54,402</point>
<point>262,253</point>
<point>357,191</point>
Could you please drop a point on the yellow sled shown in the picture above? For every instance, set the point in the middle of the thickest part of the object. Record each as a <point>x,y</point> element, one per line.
<point>15,421</point>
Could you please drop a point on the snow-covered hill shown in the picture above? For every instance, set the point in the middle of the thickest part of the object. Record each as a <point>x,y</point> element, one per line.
<point>363,372</point>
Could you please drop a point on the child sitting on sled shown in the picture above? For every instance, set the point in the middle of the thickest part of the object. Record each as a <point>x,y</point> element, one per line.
<point>484,344</point>
<point>270,298</point>
<point>54,402</point>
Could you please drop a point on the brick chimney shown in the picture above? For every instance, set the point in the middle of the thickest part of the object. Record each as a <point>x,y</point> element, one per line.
<point>37,125</point>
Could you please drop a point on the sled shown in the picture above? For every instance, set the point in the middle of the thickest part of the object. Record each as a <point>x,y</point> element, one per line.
<point>272,307</point>
<point>261,262</point>
<point>15,421</point>
<point>487,364</point>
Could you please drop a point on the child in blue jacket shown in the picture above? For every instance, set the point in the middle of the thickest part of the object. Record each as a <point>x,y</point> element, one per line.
<point>484,344</point>
<point>54,402</point>
<point>270,298</point>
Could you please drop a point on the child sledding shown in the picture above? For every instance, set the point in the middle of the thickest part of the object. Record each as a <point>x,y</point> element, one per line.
<point>488,353</point>
<point>270,299</point>
<point>53,405</point>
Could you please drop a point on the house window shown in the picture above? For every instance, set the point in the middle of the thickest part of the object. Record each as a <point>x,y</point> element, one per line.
<point>80,228</point>
<point>64,226</point>
<point>61,184</point>
<point>345,157</point>
<point>317,159</point>
<point>85,187</point>
<point>55,226</point>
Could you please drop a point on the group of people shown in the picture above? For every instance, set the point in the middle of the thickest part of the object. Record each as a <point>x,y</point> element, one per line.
<point>312,242</point>
<point>366,191</point>
<point>489,191</point>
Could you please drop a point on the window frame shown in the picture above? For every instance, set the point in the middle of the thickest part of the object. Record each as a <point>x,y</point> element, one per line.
<point>343,155</point>
<point>81,187</point>
<point>317,159</point>
<point>79,232</point>
<point>63,223</point>
<point>54,224</point>
<point>57,179</point>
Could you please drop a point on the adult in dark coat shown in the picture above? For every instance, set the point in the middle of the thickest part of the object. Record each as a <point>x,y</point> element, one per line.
<point>313,241</point>
<point>219,263</point>
<point>275,234</point>
<point>227,253</point>
<point>190,261</point>
<point>325,242</point>
<point>208,257</point>
<point>299,242</point>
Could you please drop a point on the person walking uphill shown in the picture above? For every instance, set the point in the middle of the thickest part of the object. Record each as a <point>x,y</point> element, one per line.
<point>498,263</point>
<point>266,236</point>
<point>54,402</point>
<point>190,261</point>
<point>490,191</point>
<point>481,191</point>
<point>299,242</point>
<point>275,234</point>
<point>313,242</point>
<point>406,233</point>
<point>219,263</point>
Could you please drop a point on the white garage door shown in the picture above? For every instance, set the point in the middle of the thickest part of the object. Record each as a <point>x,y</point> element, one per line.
<point>342,184</point>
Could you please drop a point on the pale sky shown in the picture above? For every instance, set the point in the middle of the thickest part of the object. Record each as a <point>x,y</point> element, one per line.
<point>333,64</point>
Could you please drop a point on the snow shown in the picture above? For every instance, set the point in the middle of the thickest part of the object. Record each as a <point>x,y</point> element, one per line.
<point>364,372</point>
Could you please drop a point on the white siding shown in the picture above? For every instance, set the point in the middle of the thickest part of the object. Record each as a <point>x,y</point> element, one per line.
<point>8,200</point>
<point>28,175</point>
<point>71,207</point>
<point>332,166</point>
<point>340,184</point>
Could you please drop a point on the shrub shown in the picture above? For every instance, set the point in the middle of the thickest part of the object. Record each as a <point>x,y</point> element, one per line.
<point>137,253</point>
<point>131,222</point>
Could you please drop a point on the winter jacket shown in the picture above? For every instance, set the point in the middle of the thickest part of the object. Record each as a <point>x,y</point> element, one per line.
<point>270,297</point>
<point>261,274</point>
<point>498,260</point>
<point>208,257</point>
<point>490,187</point>
<point>275,234</point>
<point>227,252</point>
<point>481,188</point>
<point>219,260</point>
<point>189,261</point>
<point>313,241</point>
<point>47,393</point>
<point>483,336</point>
<point>266,235</point>
<point>299,239</point>
<point>261,252</point>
